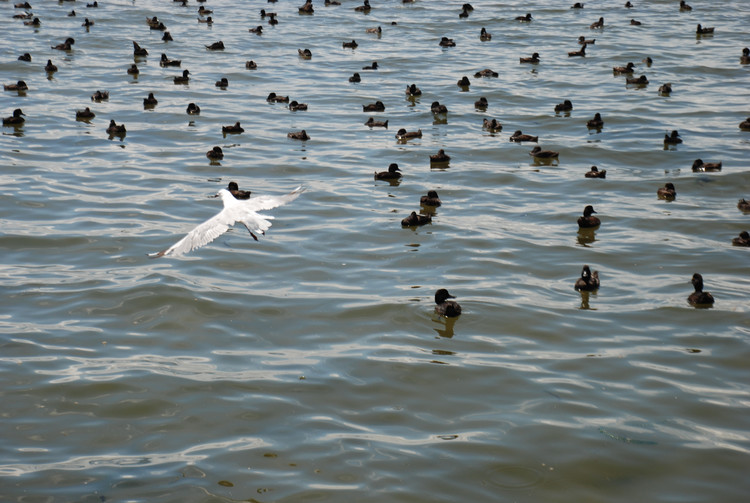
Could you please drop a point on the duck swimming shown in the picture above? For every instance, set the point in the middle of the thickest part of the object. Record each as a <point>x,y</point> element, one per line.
<point>628,69</point>
<point>355,78</point>
<point>633,22</point>
<point>684,6</point>
<point>581,52</point>
<point>167,37</point>
<point>481,103</point>
<point>484,35</point>
<point>596,122</point>
<point>378,31</point>
<point>116,129</point>
<point>258,30</point>
<point>295,106</point>
<point>445,307</point>
<point>700,30</point>
<point>373,66</point>
<point>133,70</point>
<point>441,156</point>
<point>518,136</point>
<point>588,282</point>
<point>251,65</point>
<point>391,174</point>
<point>665,89</point>
<point>150,100</point>
<point>538,153</point>
<point>637,81</point>
<point>298,135</point>
<point>486,73</point>
<point>85,114</point>
<point>165,61</point>
<point>49,67</point>
<point>223,83</point>
<point>413,90</point>
<point>350,45</point>
<point>431,199</point>
<point>534,59</point>
<point>565,106</point>
<point>588,221</point>
<point>745,124</point>
<point>19,86</point>
<point>743,206</point>
<point>235,129</point>
<point>699,298</point>
<point>597,24</point>
<point>414,220</point>
<point>65,46</point>
<point>742,240</point>
<point>234,189</point>
<point>524,19</point>
<point>304,53</point>
<point>307,8</point>
<point>371,122</point>
<point>464,82</point>
<point>404,135</point>
<point>447,42</point>
<point>436,108</point>
<point>492,126</point>
<point>595,173</point>
<point>699,165</point>
<point>668,192</point>
<point>745,58</point>
<point>215,154</point>
<point>184,79</point>
<point>216,46</point>
<point>99,96</point>
<point>673,138</point>
<point>365,7</point>
<point>25,57</point>
<point>14,120</point>
<point>378,106</point>
<point>582,41</point>
<point>209,21</point>
<point>193,109</point>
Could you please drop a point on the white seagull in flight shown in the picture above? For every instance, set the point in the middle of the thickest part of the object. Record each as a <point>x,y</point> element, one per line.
<point>235,210</point>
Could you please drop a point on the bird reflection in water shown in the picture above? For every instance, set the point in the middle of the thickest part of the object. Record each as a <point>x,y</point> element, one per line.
<point>446,331</point>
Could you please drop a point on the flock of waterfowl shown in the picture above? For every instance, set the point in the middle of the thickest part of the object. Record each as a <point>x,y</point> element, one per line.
<point>588,281</point>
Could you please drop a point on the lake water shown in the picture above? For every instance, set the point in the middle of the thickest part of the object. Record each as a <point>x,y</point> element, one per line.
<point>310,366</point>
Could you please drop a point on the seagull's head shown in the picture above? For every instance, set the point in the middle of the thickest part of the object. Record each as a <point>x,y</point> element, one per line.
<point>226,197</point>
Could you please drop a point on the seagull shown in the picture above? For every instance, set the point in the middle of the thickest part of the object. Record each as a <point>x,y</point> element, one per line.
<point>235,210</point>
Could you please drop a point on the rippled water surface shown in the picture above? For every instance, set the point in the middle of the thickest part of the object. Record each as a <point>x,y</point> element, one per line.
<point>309,366</point>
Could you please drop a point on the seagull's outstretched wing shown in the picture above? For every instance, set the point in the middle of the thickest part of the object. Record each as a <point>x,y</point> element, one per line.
<point>234,211</point>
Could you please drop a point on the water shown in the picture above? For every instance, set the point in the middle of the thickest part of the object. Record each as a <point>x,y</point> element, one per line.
<point>309,366</point>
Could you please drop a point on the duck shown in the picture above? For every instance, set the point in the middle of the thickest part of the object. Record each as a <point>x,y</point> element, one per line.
<point>87,23</point>
<point>234,189</point>
<point>484,35</point>
<point>24,5</point>
<point>273,21</point>
<point>331,2</point>
<point>628,5</point>
<point>92,5</point>
<point>431,199</point>
<point>648,61</point>
<point>184,79</point>
<point>161,26</point>
<point>202,11</point>
<point>597,24</point>
<point>378,31</point>
<point>391,174</point>
<point>263,14</point>
<point>581,52</point>
<point>150,100</point>
<point>481,103</point>
<point>627,69</point>
<point>464,82</point>
<point>304,53</point>
<point>19,86</point>
<point>595,173</point>
<point>34,22</point>
<point>534,59</point>
<point>638,81</point>
<point>684,6</point>
<point>524,19</point>
<point>518,137</point>
<point>14,120</point>
<point>486,73</point>
<point>116,129</point>
<point>742,240</point>
<point>152,21</point>
<point>538,153</point>
<point>668,192</point>
<point>165,61</point>
<point>743,205</point>
<point>577,5</point>
<point>251,65</point>
<point>50,67</point>
<point>133,70</point>
<point>588,282</point>
<point>65,46</point>
<point>365,7</point>
<point>193,109</point>
<point>296,106</point>
<point>665,89</point>
<point>565,106</point>
<point>441,156</point>
<point>745,124</point>
<point>216,46</point>
<point>404,135</point>
<point>745,58</point>
<point>223,83</point>
<point>464,13</point>
<point>672,138</point>
<point>307,8</point>
<point>700,30</point>
<point>209,21</point>
<point>447,42</point>
<point>355,78</point>
<point>298,135</point>
<point>167,37</point>
<point>634,22</point>
<point>588,221</point>
<point>258,30</point>
<point>492,126</point>
<point>215,154</point>
<point>583,41</point>
<point>25,57</point>
<point>371,122</point>
<point>414,220</point>
<point>444,306</point>
<point>234,129</point>
<point>596,122</point>
<point>350,45</point>
<point>699,297</point>
<point>699,165</point>
<point>437,108</point>
<point>85,114</point>
<point>378,106</point>
<point>72,13</point>
<point>100,96</point>
<point>413,90</point>
<point>373,66</point>
<point>138,50</point>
